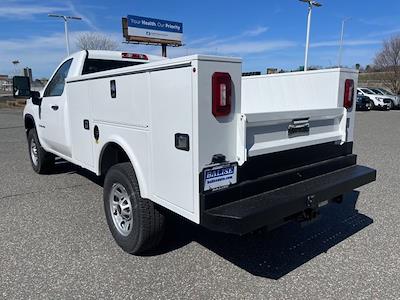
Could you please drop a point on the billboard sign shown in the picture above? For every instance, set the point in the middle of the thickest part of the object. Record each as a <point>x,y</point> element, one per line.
<point>153,30</point>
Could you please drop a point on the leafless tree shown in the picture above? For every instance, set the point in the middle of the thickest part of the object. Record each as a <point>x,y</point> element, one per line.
<point>95,41</point>
<point>388,62</point>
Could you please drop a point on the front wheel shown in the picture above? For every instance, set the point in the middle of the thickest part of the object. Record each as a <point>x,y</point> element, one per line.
<point>372,105</point>
<point>136,224</point>
<point>42,161</point>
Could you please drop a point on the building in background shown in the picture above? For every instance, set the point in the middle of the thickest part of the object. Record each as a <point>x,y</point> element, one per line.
<point>272,70</point>
<point>5,84</point>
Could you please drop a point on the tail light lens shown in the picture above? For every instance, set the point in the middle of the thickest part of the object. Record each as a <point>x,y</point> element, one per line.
<point>221,94</point>
<point>134,56</point>
<point>348,93</point>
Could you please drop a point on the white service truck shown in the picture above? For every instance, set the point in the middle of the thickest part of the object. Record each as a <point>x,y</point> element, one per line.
<point>191,136</point>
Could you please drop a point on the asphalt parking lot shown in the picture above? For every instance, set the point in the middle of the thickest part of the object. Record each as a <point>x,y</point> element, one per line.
<point>55,243</point>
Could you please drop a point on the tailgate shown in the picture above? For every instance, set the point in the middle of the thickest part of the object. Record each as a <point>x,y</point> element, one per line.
<point>262,133</point>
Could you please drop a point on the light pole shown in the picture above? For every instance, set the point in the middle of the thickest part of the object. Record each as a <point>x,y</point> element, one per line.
<point>341,42</point>
<point>310,3</point>
<point>15,63</point>
<point>65,18</point>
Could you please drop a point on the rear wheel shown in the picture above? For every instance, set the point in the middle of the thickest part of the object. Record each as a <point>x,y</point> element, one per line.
<point>136,224</point>
<point>42,161</point>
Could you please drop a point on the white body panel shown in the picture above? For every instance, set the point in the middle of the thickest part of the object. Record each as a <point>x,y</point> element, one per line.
<point>154,101</point>
<point>293,91</point>
<point>268,132</point>
<point>271,102</point>
<point>172,113</point>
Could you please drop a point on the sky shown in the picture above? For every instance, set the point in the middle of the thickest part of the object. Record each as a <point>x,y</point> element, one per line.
<point>264,33</point>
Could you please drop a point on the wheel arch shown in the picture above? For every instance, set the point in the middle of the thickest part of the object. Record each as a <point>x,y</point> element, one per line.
<point>29,122</point>
<point>117,151</point>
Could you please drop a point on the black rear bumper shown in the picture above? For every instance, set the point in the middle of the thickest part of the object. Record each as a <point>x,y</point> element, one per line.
<point>270,199</point>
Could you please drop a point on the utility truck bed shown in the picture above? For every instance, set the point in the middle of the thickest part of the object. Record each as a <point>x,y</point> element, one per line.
<point>191,136</point>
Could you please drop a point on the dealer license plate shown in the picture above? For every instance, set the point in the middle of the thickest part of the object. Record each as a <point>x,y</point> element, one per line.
<point>220,176</point>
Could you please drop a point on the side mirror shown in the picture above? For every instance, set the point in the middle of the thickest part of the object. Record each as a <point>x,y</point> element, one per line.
<point>21,87</point>
<point>36,100</point>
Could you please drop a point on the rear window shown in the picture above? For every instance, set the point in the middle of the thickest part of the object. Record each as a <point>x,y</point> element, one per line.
<point>92,65</point>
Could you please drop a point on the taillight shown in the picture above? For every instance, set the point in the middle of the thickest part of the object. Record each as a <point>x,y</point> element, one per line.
<point>348,93</point>
<point>221,94</point>
<point>134,56</point>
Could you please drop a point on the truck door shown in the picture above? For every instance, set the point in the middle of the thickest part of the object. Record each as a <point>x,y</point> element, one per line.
<point>53,112</point>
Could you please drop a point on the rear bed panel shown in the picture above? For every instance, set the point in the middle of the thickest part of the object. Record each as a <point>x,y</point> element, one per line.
<point>293,110</point>
<point>294,91</point>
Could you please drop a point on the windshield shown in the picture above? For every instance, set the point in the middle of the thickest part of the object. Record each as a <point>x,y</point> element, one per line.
<point>377,91</point>
<point>386,92</point>
<point>367,91</point>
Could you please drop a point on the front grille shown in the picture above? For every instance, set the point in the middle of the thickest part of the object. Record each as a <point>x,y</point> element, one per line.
<point>386,100</point>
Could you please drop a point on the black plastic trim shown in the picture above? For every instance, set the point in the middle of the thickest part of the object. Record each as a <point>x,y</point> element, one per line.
<point>271,207</point>
<point>274,187</point>
<point>179,136</point>
<point>277,180</point>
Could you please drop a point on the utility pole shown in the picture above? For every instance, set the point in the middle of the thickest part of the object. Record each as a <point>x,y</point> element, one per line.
<point>65,18</point>
<point>164,50</point>
<point>341,42</point>
<point>310,3</point>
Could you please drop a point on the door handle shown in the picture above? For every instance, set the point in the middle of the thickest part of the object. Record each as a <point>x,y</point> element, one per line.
<point>86,124</point>
<point>54,107</point>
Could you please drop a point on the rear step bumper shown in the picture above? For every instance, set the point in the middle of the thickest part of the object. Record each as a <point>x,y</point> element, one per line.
<point>271,207</point>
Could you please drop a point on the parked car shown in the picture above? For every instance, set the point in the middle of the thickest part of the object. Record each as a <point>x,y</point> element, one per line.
<point>363,103</point>
<point>395,100</point>
<point>377,101</point>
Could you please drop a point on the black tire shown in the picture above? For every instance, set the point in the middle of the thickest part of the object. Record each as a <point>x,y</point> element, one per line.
<point>372,105</point>
<point>44,161</point>
<point>147,225</point>
<point>392,104</point>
